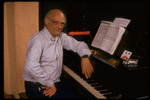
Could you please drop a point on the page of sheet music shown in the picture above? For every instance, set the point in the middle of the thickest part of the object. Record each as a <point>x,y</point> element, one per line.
<point>123,22</point>
<point>120,34</point>
<point>110,37</point>
<point>100,35</point>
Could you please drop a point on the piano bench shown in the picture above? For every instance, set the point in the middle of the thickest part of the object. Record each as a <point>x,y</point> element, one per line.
<point>23,95</point>
<point>9,96</point>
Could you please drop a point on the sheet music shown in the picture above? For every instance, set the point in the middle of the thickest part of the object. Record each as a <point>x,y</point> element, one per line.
<point>123,22</point>
<point>110,38</point>
<point>101,34</point>
<point>118,39</point>
<point>109,35</point>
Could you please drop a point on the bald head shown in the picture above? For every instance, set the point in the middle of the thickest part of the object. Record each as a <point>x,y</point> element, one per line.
<point>55,21</point>
<point>55,12</point>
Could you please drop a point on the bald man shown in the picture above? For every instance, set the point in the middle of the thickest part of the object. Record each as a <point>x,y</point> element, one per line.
<point>44,56</point>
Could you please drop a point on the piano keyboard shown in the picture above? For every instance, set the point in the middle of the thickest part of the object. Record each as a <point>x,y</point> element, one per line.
<point>94,88</point>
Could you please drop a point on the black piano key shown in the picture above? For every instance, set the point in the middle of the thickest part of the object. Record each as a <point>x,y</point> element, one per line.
<point>94,84</point>
<point>98,88</point>
<point>110,96</point>
<point>108,93</point>
<point>90,81</point>
<point>81,75</point>
<point>103,91</point>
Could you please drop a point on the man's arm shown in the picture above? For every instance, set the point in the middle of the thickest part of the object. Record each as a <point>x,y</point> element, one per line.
<point>70,43</point>
<point>82,49</point>
<point>87,68</point>
<point>49,91</point>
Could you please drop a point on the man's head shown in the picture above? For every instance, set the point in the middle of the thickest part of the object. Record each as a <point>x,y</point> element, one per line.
<point>55,21</point>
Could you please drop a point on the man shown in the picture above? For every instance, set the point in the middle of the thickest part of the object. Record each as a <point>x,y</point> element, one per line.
<point>44,56</point>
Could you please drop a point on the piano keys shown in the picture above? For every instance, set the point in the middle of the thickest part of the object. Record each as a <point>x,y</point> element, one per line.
<point>95,88</point>
<point>89,87</point>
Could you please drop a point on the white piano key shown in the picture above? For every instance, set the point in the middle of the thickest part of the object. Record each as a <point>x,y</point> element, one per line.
<point>84,83</point>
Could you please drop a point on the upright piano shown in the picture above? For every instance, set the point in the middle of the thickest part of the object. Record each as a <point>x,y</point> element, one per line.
<point>110,79</point>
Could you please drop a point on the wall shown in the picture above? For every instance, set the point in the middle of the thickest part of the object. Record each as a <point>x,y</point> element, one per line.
<point>20,23</point>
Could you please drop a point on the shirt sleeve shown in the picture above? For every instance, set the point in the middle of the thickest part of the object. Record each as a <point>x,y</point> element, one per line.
<point>70,43</point>
<point>34,51</point>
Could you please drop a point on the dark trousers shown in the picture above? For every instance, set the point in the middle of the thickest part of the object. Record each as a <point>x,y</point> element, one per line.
<point>64,91</point>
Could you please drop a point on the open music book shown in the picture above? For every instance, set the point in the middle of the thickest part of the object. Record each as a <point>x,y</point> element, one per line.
<point>109,34</point>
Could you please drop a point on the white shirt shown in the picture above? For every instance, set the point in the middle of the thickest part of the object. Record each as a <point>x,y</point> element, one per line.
<point>44,56</point>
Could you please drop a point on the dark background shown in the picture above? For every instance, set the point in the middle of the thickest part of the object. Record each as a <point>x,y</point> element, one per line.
<point>87,16</point>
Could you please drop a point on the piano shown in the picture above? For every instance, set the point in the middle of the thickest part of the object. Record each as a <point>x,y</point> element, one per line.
<point>110,79</point>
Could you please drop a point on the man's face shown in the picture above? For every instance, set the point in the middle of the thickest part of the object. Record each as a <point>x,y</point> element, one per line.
<point>55,23</point>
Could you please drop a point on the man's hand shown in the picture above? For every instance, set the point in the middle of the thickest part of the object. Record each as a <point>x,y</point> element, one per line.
<point>49,91</point>
<point>87,68</point>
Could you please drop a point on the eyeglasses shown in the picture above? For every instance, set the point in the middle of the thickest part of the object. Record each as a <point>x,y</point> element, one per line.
<point>57,22</point>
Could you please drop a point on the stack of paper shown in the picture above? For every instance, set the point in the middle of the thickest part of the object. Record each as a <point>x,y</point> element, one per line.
<point>109,34</point>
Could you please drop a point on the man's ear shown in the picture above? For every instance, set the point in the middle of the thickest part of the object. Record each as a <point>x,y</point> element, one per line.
<point>46,20</point>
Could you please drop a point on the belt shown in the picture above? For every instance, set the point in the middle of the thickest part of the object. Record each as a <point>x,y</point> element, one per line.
<point>37,83</point>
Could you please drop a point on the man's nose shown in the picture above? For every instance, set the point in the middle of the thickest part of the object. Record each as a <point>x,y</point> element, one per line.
<point>59,25</point>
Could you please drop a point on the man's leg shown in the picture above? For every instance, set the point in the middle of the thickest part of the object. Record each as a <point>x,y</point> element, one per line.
<point>64,91</point>
<point>34,91</point>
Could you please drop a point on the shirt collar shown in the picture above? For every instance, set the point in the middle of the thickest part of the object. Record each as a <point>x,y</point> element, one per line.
<point>49,35</point>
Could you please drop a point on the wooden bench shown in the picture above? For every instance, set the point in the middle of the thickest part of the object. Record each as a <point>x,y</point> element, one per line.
<point>23,95</point>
